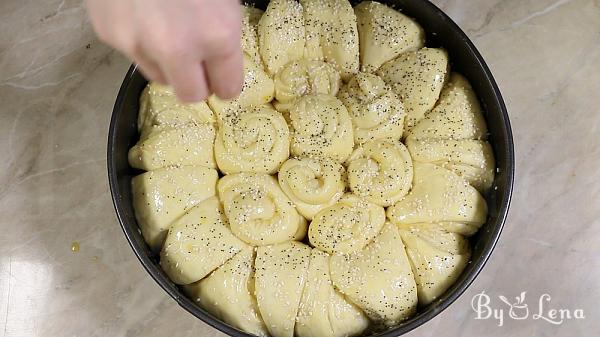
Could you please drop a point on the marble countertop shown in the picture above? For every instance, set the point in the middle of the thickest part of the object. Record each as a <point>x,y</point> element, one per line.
<point>57,88</point>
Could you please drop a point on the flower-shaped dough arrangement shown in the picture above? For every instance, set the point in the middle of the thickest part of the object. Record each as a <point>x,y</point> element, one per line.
<point>336,193</point>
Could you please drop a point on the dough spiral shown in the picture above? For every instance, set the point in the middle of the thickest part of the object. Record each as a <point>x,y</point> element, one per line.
<point>253,140</point>
<point>321,127</point>
<point>346,227</point>
<point>259,212</point>
<point>376,111</point>
<point>312,184</point>
<point>381,171</point>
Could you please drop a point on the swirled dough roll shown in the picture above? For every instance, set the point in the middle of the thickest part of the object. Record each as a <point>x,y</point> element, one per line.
<point>378,279</point>
<point>198,242</point>
<point>417,77</point>
<point>182,146</point>
<point>384,34</point>
<point>321,128</point>
<point>470,159</point>
<point>163,195</point>
<point>457,114</point>
<point>281,34</point>
<point>159,106</point>
<point>258,211</point>
<point>381,171</point>
<point>437,256</point>
<point>346,227</point>
<point>331,30</point>
<point>303,77</point>
<point>252,140</point>
<point>439,195</point>
<point>376,111</point>
<point>250,18</point>
<point>312,183</point>
<point>228,293</point>
<point>324,311</point>
<point>280,278</point>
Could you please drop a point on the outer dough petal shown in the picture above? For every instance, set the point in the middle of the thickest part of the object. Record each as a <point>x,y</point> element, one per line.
<point>417,77</point>
<point>381,171</point>
<point>439,195</point>
<point>198,242</point>
<point>322,128</point>
<point>379,279</point>
<point>250,18</point>
<point>323,311</point>
<point>456,116</point>
<point>470,159</point>
<point>312,184</point>
<point>252,140</point>
<point>281,34</point>
<point>384,34</point>
<point>437,256</point>
<point>258,211</point>
<point>376,111</point>
<point>228,293</point>
<point>346,227</point>
<point>183,146</point>
<point>280,278</point>
<point>331,27</point>
<point>155,202</point>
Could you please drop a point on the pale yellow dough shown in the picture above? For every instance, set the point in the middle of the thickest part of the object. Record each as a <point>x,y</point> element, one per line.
<point>378,279</point>
<point>323,310</point>
<point>254,139</point>
<point>281,272</point>
<point>384,34</point>
<point>312,183</point>
<point>163,195</point>
<point>437,256</point>
<point>439,195</point>
<point>376,111</point>
<point>347,226</point>
<point>381,171</point>
<point>181,146</point>
<point>321,128</point>
<point>198,242</point>
<point>417,77</point>
<point>228,293</point>
<point>250,18</point>
<point>258,211</point>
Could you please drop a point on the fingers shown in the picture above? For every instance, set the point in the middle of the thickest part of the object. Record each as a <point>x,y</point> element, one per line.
<point>149,68</point>
<point>188,79</point>
<point>226,74</point>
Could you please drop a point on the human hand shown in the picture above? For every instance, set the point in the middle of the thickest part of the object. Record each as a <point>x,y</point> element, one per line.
<point>192,45</point>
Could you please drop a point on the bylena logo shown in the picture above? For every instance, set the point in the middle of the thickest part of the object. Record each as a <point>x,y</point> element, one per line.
<point>519,309</point>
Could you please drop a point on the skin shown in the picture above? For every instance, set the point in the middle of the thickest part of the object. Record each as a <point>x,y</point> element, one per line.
<point>192,45</point>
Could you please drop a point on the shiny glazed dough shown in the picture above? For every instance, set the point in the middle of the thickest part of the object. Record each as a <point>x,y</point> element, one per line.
<point>378,279</point>
<point>303,77</point>
<point>437,256</point>
<point>252,140</point>
<point>167,146</point>
<point>384,34</point>
<point>228,293</point>
<point>331,34</point>
<point>281,34</point>
<point>312,183</point>
<point>381,171</point>
<point>439,195</point>
<point>321,128</point>
<point>457,114</point>
<point>323,310</point>
<point>250,18</point>
<point>347,226</point>
<point>376,111</point>
<point>258,211</point>
<point>417,77</point>
<point>281,272</point>
<point>163,195</point>
<point>198,242</point>
<point>471,159</point>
